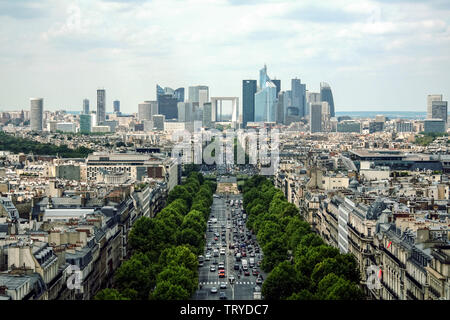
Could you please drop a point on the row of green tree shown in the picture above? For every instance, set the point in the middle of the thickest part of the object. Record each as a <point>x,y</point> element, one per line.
<point>16,145</point>
<point>301,265</point>
<point>164,264</point>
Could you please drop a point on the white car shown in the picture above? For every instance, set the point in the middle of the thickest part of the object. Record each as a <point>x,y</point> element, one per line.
<point>213,290</point>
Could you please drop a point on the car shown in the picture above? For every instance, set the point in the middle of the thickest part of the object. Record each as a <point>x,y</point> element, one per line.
<point>221,266</point>
<point>252,254</point>
<point>213,290</point>
<point>224,244</point>
<point>215,238</point>
<point>207,257</point>
<point>236,266</point>
<point>215,261</point>
<point>222,296</point>
<point>223,285</point>
<point>255,272</point>
<point>231,279</point>
<point>222,274</point>
<point>246,273</point>
<point>259,280</point>
<point>212,268</point>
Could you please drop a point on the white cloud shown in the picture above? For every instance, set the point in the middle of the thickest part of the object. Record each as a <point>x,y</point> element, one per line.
<point>129,46</point>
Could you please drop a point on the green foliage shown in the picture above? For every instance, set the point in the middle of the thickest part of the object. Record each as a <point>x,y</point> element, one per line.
<point>314,270</point>
<point>17,145</point>
<point>164,264</point>
<point>110,294</point>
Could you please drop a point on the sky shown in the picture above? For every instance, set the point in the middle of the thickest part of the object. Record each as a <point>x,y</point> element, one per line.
<point>375,54</point>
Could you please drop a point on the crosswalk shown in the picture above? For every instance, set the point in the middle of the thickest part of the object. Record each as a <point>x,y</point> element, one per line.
<point>218,282</point>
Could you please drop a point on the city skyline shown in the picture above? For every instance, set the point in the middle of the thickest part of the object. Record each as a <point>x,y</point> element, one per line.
<point>375,55</point>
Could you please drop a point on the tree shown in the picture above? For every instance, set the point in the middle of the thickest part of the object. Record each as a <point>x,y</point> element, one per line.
<point>333,287</point>
<point>180,192</point>
<point>283,281</point>
<point>109,294</point>
<point>179,275</point>
<point>137,273</point>
<point>274,253</point>
<point>165,290</point>
<point>179,256</point>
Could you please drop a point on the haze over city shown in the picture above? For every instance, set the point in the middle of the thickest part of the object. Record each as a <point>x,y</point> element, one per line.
<point>376,55</point>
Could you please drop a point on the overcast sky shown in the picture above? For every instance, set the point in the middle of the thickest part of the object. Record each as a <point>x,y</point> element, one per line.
<point>376,55</point>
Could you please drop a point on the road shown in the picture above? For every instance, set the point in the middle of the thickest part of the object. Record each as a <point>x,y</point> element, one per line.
<point>242,288</point>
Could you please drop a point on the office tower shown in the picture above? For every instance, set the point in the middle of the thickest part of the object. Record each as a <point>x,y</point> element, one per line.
<point>248,101</point>
<point>168,90</point>
<point>376,126</point>
<point>86,106</point>
<point>112,124</point>
<point>85,123</point>
<point>265,98</point>
<point>277,83</point>
<point>203,97</point>
<point>145,111</point>
<point>298,96</point>
<point>167,105</point>
<point>404,126</point>
<point>435,126</point>
<point>101,106</point>
<point>36,113</point>
<point>265,103</point>
<point>430,99</point>
<point>311,97</point>
<point>185,112</point>
<point>327,95</point>
<point>280,108</point>
<point>158,121</point>
<point>116,106</point>
<point>194,93</point>
<point>287,102</point>
<point>316,117</point>
<point>263,78</point>
<point>159,91</point>
<point>153,107</point>
<point>439,110</point>
<point>51,125</point>
<point>179,94</point>
<point>207,115</point>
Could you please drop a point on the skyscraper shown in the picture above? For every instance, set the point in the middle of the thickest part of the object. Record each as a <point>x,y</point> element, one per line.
<point>248,101</point>
<point>86,106</point>
<point>280,108</point>
<point>153,107</point>
<point>316,117</point>
<point>277,83</point>
<point>327,95</point>
<point>430,99</point>
<point>265,98</point>
<point>194,93</point>
<point>101,106</point>
<point>167,105</point>
<point>298,96</point>
<point>85,123</point>
<point>439,110</point>
<point>207,115</point>
<point>144,111</point>
<point>265,103</point>
<point>311,97</point>
<point>179,94</point>
<point>185,112</point>
<point>116,106</point>
<point>36,113</point>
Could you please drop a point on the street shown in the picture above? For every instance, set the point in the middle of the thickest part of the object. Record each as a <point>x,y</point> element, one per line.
<point>229,245</point>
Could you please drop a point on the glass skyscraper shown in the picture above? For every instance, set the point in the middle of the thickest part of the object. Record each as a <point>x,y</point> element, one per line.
<point>327,95</point>
<point>298,96</point>
<point>248,101</point>
<point>167,105</point>
<point>85,123</point>
<point>116,106</point>
<point>266,103</point>
<point>316,117</point>
<point>86,106</point>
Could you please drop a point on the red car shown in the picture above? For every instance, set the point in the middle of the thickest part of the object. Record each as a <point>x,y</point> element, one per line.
<point>255,272</point>
<point>221,274</point>
<point>246,273</point>
<point>215,238</point>
<point>244,254</point>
